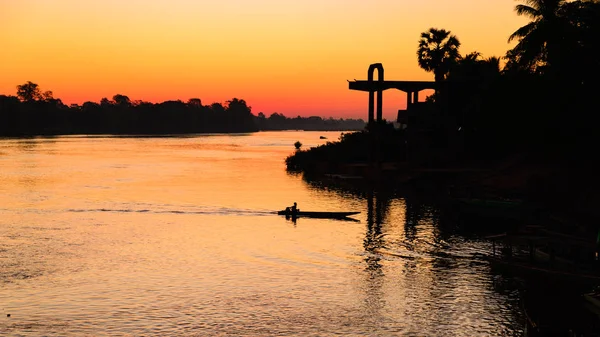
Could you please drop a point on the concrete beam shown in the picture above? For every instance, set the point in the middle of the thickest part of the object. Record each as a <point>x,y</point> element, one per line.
<point>406,86</point>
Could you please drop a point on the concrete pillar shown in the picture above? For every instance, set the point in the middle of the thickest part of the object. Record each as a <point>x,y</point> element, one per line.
<point>380,94</point>
<point>371,105</point>
<point>409,100</point>
<point>416,97</point>
<point>380,102</point>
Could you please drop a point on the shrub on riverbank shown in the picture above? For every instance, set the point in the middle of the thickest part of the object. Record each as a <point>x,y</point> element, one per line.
<point>351,148</point>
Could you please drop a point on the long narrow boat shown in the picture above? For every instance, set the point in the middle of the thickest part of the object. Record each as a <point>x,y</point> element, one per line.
<point>320,215</point>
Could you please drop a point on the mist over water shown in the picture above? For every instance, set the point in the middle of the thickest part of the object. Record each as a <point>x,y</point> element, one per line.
<point>173,236</point>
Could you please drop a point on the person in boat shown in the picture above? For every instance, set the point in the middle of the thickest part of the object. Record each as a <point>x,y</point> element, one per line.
<point>294,209</point>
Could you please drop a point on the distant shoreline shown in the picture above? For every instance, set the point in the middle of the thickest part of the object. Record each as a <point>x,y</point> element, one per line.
<point>36,113</point>
<point>157,135</point>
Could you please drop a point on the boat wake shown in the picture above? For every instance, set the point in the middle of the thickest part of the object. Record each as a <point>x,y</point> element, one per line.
<point>195,211</point>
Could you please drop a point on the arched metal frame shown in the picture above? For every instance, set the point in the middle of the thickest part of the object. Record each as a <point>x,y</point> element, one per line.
<point>372,68</point>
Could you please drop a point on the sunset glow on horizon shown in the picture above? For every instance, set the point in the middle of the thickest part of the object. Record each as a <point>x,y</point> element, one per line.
<point>291,57</point>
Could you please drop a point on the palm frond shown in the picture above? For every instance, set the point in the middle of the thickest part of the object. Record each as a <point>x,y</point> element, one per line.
<point>550,8</point>
<point>523,31</point>
<point>493,62</point>
<point>534,3</point>
<point>453,41</point>
<point>473,56</point>
<point>529,52</point>
<point>528,11</point>
<point>438,35</point>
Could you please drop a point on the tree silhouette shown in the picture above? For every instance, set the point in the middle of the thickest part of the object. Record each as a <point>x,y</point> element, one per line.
<point>581,54</point>
<point>472,57</point>
<point>237,105</point>
<point>217,108</point>
<point>541,40</point>
<point>47,96</point>
<point>122,100</point>
<point>438,50</point>
<point>29,92</point>
<point>105,102</point>
<point>473,67</point>
<point>493,62</point>
<point>195,102</point>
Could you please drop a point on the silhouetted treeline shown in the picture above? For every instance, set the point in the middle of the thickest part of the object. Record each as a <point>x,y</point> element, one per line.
<point>33,112</point>
<point>314,123</point>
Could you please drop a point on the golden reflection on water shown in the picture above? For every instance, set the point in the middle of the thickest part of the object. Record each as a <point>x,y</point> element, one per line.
<point>177,236</point>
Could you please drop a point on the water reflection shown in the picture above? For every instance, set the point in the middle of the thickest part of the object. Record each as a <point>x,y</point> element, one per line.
<point>28,179</point>
<point>412,216</point>
<point>26,144</point>
<point>417,262</point>
<point>29,155</point>
<point>177,236</point>
<point>374,241</point>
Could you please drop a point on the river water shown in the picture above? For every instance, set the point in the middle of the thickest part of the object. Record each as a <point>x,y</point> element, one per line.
<point>176,236</point>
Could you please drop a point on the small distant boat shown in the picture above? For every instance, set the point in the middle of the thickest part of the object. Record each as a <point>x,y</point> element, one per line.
<point>320,215</point>
<point>322,137</point>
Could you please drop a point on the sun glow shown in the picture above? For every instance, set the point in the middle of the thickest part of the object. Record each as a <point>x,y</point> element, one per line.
<point>289,57</point>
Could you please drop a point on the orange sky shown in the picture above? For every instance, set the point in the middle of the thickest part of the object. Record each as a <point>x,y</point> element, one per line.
<point>291,57</point>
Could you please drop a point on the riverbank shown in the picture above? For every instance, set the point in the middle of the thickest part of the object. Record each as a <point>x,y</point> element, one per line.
<point>558,184</point>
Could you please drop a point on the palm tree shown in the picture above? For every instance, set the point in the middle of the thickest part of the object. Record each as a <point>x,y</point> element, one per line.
<point>472,57</point>
<point>582,59</point>
<point>539,41</point>
<point>438,50</point>
<point>494,63</point>
<point>472,67</point>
